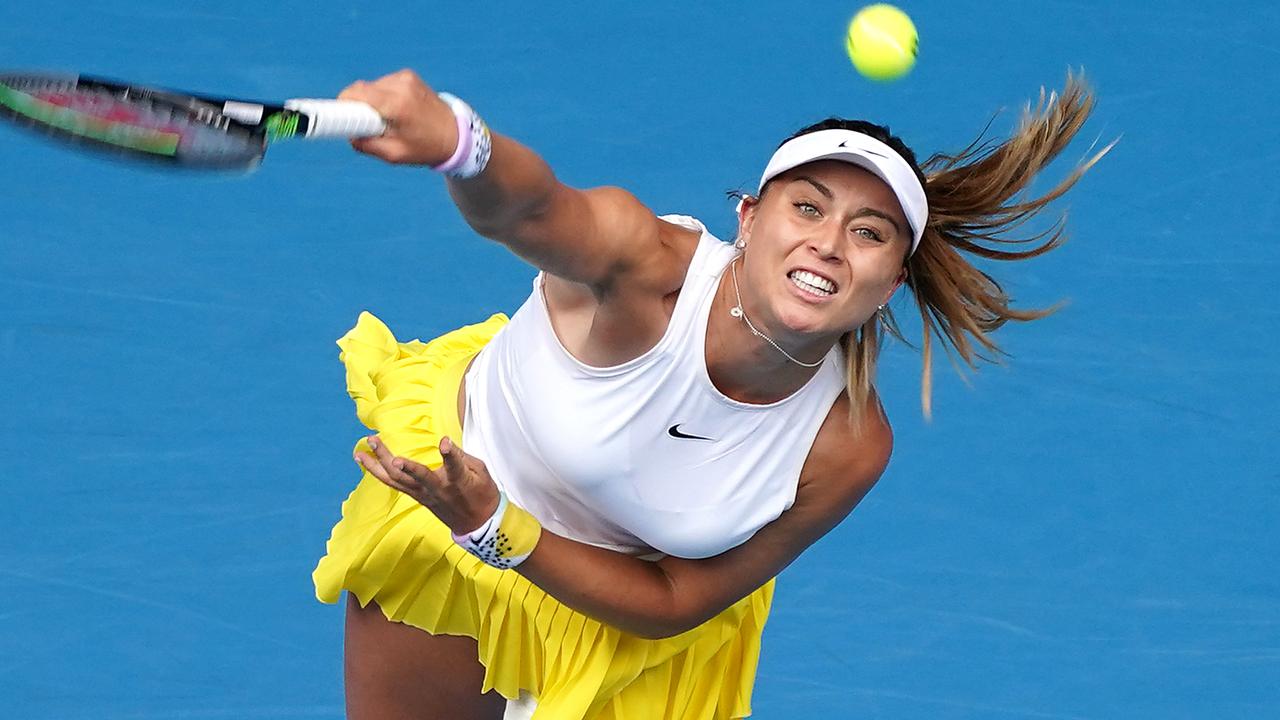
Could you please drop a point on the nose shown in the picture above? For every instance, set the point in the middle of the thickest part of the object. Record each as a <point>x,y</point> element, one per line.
<point>827,240</point>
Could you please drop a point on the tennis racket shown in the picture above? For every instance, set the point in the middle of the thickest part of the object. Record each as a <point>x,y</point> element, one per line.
<point>171,126</point>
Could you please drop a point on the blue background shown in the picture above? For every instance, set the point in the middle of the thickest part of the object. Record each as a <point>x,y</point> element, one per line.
<point>1085,532</point>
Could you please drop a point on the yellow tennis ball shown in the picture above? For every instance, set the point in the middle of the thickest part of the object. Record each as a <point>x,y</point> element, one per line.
<point>882,42</point>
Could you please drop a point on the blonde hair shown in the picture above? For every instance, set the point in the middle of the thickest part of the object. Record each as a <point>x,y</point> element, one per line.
<point>975,203</point>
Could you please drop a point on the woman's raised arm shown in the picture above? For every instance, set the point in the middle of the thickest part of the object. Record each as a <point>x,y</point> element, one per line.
<point>587,236</point>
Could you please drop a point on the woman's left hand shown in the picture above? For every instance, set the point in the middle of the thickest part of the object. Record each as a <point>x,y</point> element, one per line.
<point>461,492</point>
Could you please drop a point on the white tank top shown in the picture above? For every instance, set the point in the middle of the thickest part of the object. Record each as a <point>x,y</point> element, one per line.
<point>647,455</point>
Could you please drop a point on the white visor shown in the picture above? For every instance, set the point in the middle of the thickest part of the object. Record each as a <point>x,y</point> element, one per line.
<point>864,151</point>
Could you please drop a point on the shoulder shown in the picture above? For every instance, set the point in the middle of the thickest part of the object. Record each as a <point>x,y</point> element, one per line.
<point>846,459</point>
<point>642,237</point>
<point>650,257</point>
<point>660,258</point>
<point>848,456</point>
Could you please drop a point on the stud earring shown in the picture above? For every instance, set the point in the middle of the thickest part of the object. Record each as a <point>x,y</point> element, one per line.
<point>741,244</point>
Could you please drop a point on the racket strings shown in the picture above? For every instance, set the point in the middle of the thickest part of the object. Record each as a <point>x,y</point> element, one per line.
<point>155,124</point>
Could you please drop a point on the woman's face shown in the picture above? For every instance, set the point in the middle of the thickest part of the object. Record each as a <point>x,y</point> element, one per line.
<point>825,246</point>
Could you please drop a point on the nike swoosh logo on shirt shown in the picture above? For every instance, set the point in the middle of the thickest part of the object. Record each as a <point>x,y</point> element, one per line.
<point>674,431</point>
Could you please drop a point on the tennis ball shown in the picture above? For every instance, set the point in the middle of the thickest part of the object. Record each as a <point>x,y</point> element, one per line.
<point>882,42</point>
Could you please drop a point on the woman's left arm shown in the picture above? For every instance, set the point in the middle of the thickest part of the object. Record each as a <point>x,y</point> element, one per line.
<point>668,597</point>
<point>677,594</point>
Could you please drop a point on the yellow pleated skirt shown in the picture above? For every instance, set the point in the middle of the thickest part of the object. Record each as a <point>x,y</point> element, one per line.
<point>388,548</point>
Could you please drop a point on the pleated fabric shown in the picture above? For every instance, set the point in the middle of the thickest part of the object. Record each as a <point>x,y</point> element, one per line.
<point>388,548</point>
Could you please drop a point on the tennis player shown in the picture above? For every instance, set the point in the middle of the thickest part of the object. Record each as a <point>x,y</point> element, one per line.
<point>579,512</point>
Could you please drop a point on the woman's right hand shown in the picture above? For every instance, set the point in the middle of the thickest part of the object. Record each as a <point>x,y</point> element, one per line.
<point>421,129</point>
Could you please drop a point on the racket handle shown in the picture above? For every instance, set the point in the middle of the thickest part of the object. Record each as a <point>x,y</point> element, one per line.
<point>339,118</point>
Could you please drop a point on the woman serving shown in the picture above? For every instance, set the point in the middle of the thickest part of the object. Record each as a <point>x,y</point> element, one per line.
<point>665,424</point>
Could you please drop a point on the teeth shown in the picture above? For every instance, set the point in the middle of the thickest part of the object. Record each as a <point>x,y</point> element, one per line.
<point>806,280</point>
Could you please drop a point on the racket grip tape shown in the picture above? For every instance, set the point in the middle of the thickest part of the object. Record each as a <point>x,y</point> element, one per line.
<point>338,118</point>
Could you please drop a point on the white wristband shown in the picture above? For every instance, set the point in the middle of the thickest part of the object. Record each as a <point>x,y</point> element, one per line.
<point>506,539</point>
<point>474,142</point>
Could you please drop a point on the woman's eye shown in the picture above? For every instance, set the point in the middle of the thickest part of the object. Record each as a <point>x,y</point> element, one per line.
<point>806,208</point>
<point>869,234</point>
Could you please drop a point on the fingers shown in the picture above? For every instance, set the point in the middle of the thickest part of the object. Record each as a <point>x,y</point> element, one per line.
<point>455,466</point>
<point>461,493</point>
<point>385,103</point>
<point>388,468</point>
<point>394,465</point>
<point>422,475</point>
<point>375,468</point>
<point>387,147</point>
<point>421,129</point>
<point>401,473</point>
<point>358,90</point>
<point>390,94</point>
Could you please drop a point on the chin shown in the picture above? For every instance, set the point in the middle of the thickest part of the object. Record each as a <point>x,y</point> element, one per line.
<point>804,322</point>
<point>812,321</point>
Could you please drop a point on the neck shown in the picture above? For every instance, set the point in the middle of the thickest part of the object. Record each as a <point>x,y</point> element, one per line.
<point>746,367</point>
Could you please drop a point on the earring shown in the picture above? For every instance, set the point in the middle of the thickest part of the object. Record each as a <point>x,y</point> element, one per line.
<point>741,244</point>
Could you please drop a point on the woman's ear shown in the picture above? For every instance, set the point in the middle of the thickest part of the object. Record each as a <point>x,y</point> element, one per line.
<point>902,277</point>
<point>746,217</point>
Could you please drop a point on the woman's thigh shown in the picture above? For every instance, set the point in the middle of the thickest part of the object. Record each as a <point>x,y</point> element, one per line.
<point>398,672</point>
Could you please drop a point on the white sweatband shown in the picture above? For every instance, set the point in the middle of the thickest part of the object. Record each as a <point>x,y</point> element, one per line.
<point>474,142</point>
<point>506,539</point>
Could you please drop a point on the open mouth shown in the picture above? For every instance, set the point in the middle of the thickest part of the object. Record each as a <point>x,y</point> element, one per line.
<point>813,284</point>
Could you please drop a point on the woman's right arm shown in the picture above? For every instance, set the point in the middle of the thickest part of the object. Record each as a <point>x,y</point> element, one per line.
<point>595,237</point>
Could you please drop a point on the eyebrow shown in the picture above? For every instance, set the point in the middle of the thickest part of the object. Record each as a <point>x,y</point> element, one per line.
<point>876,213</point>
<point>821,188</point>
<point>866,211</point>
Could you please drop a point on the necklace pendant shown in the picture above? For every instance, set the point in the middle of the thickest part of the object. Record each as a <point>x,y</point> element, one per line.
<point>736,312</point>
